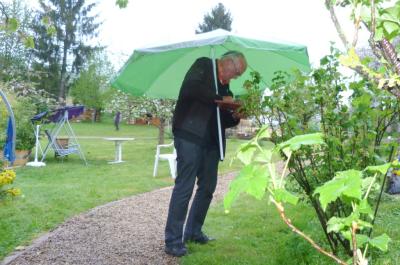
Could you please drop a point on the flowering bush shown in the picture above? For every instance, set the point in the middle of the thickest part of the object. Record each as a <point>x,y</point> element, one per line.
<point>26,101</point>
<point>7,177</point>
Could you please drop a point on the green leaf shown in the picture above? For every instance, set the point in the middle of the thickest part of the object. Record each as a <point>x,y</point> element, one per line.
<point>51,30</point>
<point>382,168</point>
<point>363,224</point>
<point>263,133</point>
<point>252,179</point>
<point>381,242</point>
<point>246,152</point>
<point>379,34</point>
<point>46,20</point>
<point>365,208</point>
<point>360,238</point>
<point>365,14</point>
<point>122,3</point>
<point>12,24</point>
<point>263,157</point>
<point>307,139</point>
<point>351,59</point>
<point>335,224</point>
<point>28,42</point>
<point>366,182</point>
<point>285,196</point>
<point>346,183</point>
<point>390,26</point>
<point>287,151</point>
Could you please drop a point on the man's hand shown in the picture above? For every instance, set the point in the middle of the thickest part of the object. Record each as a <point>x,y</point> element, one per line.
<point>238,115</point>
<point>227,99</point>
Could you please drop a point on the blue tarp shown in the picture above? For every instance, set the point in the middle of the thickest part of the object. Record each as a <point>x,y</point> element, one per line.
<point>58,114</point>
<point>8,146</point>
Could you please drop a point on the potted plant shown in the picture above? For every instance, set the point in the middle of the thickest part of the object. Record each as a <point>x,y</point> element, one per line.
<point>24,110</point>
<point>25,137</point>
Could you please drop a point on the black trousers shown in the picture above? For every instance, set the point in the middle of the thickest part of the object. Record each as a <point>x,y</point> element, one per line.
<point>192,161</point>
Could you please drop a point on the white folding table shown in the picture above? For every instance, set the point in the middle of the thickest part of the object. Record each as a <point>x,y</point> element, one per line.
<point>118,147</point>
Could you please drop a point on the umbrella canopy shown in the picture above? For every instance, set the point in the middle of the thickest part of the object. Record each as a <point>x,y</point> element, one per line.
<point>158,72</point>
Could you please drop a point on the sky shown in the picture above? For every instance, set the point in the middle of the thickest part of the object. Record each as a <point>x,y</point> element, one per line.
<point>146,22</point>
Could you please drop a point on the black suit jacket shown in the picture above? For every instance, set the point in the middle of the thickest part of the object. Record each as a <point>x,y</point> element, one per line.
<point>195,112</point>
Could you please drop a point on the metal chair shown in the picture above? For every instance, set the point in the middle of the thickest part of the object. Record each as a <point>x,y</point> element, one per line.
<point>170,157</point>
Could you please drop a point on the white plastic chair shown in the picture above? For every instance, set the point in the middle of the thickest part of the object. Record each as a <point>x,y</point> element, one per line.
<point>171,158</point>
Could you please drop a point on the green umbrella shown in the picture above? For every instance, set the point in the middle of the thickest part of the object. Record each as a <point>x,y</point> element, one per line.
<point>158,71</point>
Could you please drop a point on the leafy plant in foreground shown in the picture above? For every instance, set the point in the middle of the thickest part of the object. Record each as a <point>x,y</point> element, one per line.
<point>353,127</point>
<point>259,175</point>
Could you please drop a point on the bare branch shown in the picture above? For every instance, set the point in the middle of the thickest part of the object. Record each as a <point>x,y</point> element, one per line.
<point>281,211</point>
<point>3,10</point>
<point>356,29</point>
<point>354,241</point>
<point>395,90</point>
<point>377,52</point>
<point>337,24</point>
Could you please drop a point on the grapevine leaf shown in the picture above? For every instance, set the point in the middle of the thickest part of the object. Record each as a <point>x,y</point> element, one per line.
<point>307,139</point>
<point>246,152</point>
<point>263,133</point>
<point>381,242</point>
<point>252,179</point>
<point>360,238</point>
<point>381,168</point>
<point>346,183</point>
<point>285,196</point>
<point>365,208</point>
<point>335,224</point>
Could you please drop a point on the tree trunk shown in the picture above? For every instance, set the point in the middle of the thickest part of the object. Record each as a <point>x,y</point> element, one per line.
<point>61,91</point>
<point>161,130</point>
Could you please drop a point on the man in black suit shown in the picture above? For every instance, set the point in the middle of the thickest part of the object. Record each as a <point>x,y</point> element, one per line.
<point>196,141</point>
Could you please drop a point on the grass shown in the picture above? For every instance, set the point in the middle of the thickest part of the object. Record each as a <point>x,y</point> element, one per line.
<point>252,233</point>
<point>64,188</point>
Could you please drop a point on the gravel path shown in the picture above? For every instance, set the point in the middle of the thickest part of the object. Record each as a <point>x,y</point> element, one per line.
<point>128,231</point>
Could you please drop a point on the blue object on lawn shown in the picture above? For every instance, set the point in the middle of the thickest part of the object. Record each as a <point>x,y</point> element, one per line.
<point>8,146</point>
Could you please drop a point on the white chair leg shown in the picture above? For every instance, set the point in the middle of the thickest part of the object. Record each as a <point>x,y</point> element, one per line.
<point>155,166</point>
<point>175,168</point>
<point>172,167</point>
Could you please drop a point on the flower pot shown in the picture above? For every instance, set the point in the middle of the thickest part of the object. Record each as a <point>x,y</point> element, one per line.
<point>21,157</point>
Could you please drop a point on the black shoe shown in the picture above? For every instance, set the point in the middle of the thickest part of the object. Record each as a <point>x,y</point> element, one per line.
<point>199,239</point>
<point>176,250</point>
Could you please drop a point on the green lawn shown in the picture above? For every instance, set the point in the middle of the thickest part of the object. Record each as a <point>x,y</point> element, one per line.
<point>66,187</point>
<point>251,234</point>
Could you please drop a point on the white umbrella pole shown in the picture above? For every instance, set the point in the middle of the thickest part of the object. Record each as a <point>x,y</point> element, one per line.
<point>36,163</point>
<point>221,149</point>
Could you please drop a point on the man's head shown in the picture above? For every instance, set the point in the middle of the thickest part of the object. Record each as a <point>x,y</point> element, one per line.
<point>231,65</point>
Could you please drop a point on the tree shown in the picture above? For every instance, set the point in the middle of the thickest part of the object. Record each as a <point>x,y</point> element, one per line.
<point>93,81</point>
<point>61,49</point>
<point>139,107</point>
<point>219,18</point>
<point>382,21</point>
<point>15,21</point>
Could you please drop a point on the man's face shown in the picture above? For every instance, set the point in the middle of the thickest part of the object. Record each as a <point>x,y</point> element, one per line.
<point>232,69</point>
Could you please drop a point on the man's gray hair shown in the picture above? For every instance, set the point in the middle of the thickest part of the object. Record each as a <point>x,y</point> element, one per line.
<point>235,56</point>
